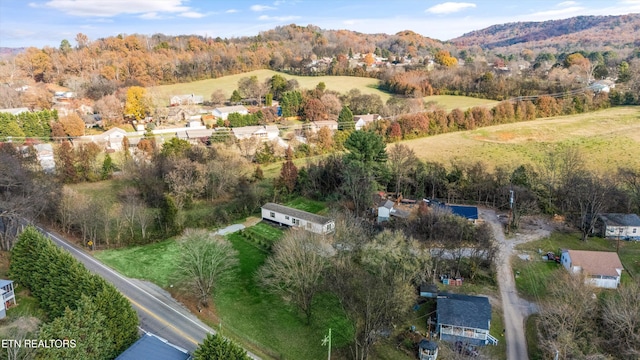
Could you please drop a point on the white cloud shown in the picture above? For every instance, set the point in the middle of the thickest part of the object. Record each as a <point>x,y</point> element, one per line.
<point>231,11</point>
<point>278,18</point>
<point>567,3</point>
<point>556,14</point>
<point>150,16</point>
<point>449,7</point>
<point>258,8</point>
<point>193,15</point>
<point>101,8</point>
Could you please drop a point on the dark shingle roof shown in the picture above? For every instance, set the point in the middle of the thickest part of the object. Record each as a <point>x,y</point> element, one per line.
<point>152,347</point>
<point>464,310</point>
<point>427,345</point>
<point>318,219</point>
<point>621,219</point>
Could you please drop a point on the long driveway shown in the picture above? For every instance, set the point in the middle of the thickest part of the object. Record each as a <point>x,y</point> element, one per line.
<point>158,312</point>
<point>515,309</point>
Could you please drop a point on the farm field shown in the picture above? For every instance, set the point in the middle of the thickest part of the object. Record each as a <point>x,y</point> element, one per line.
<point>608,139</point>
<point>229,83</point>
<point>450,102</point>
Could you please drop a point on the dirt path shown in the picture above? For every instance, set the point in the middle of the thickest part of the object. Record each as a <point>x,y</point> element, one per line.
<point>515,309</point>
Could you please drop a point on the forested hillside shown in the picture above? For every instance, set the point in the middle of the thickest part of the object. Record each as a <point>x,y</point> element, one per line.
<point>577,33</point>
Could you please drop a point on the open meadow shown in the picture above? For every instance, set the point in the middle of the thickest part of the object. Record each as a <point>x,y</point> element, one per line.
<point>227,84</point>
<point>608,139</point>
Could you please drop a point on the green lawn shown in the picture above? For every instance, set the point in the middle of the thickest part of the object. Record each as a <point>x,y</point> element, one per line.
<point>497,325</point>
<point>533,277</point>
<point>227,84</point>
<point>302,203</point>
<point>531,334</point>
<point>153,262</point>
<point>266,231</point>
<point>261,320</point>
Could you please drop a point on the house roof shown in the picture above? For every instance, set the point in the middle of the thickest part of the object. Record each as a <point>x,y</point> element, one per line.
<point>427,345</point>
<point>318,219</point>
<point>5,282</point>
<point>596,262</point>
<point>464,310</point>
<point>200,133</point>
<point>327,123</point>
<point>251,130</point>
<point>620,219</point>
<point>366,118</point>
<point>469,212</point>
<point>15,111</point>
<point>151,346</point>
<point>230,109</point>
<point>386,203</point>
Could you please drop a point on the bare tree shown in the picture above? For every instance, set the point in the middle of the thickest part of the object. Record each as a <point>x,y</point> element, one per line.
<point>296,268</point>
<point>205,260</point>
<point>621,321</point>
<point>588,196</point>
<point>186,181</point>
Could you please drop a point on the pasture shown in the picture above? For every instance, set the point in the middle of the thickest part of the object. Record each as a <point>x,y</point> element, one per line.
<point>450,102</point>
<point>227,84</point>
<point>607,139</point>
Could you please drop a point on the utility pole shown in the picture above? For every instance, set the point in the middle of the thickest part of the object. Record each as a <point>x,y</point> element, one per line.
<point>325,341</point>
<point>510,211</point>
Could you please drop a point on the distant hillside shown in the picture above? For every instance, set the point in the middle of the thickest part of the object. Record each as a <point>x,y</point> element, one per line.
<point>10,51</point>
<point>582,32</point>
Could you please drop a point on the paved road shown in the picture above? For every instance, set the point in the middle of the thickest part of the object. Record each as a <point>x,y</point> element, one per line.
<point>515,309</point>
<point>158,312</point>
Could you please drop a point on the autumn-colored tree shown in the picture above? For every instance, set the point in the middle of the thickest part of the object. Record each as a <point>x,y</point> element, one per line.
<point>444,58</point>
<point>136,105</point>
<point>72,125</point>
<point>288,174</point>
<point>65,158</point>
<point>324,139</point>
<point>110,109</point>
<point>394,132</point>
<point>369,59</point>
<point>314,110</point>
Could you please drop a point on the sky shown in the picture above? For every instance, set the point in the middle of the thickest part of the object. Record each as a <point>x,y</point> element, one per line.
<point>47,22</point>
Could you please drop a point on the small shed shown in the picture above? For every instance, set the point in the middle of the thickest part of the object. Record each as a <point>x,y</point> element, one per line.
<point>429,290</point>
<point>427,350</point>
<point>385,207</point>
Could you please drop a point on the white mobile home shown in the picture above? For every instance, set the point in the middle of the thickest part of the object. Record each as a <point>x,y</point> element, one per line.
<point>285,215</point>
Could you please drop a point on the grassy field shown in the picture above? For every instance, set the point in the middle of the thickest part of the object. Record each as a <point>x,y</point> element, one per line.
<point>153,262</point>
<point>227,84</point>
<point>608,139</point>
<point>536,275</point>
<point>531,334</point>
<point>308,205</point>
<point>450,102</point>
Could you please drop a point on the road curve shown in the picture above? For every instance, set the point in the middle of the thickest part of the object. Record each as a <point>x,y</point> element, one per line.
<point>512,305</point>
<point>160,315</point>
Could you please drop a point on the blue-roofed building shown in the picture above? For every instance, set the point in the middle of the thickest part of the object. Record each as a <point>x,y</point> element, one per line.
<point>468,212</point>
<point>150,346</point>
<point>464,318</point>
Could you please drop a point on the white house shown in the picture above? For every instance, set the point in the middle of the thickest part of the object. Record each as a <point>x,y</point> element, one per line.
<point>364,120</point>
<point>619,226</point>
<point>189,99</point>
<point>264,132</point>
<point>223,112</point>
<point>315,126</point>
<point>285,215</point>
<point>602,268</point>
<point>112,138</point>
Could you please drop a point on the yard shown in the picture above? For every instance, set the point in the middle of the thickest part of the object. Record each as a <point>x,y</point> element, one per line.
<point>308,205</point>
<point>534,276</point>
<point>450,102</point>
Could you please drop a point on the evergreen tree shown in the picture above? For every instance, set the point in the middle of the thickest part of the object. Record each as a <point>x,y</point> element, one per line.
<point>345,119</point>
<point>107,167</point>
<point>216,347</point>
<point>235,97</point>
<point>169,216</point>
<point>85,327</point>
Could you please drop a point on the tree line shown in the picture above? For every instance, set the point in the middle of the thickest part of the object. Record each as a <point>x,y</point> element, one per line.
<point>78,304</point>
